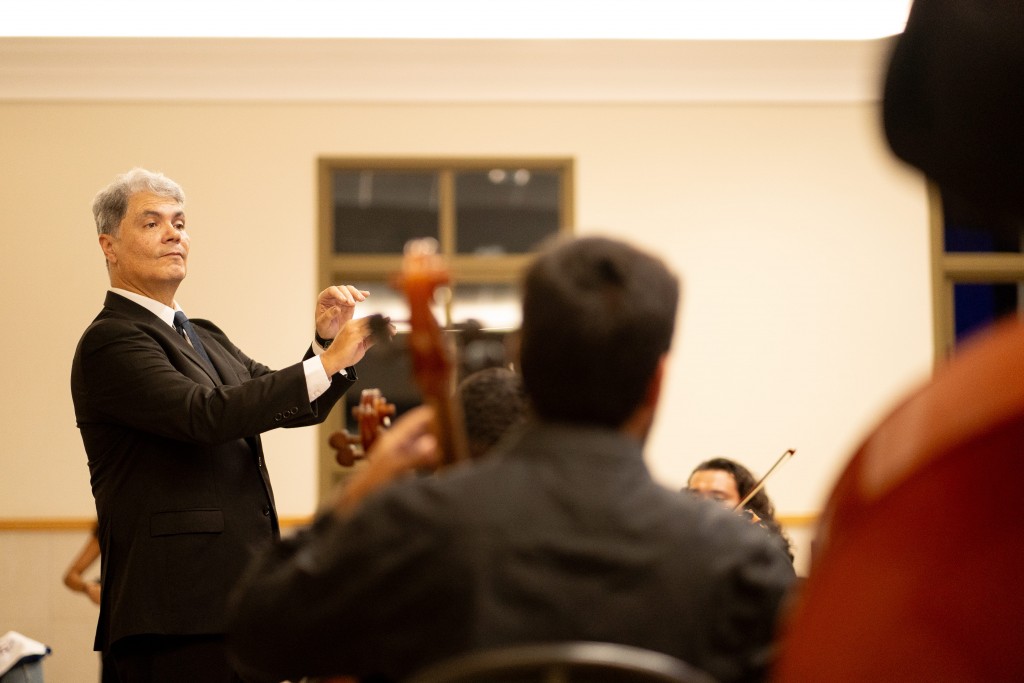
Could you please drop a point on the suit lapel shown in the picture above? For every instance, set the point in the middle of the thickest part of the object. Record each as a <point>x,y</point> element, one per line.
<point>118,305</point>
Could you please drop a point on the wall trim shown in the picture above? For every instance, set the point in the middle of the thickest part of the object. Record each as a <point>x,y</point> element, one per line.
<point>84,524</point>
<point>438,71</point>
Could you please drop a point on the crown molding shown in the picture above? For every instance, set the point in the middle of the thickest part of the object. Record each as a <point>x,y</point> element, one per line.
<point>438,71</point>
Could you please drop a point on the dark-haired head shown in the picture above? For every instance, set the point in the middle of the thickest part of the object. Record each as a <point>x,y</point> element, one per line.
<point>745,483</point>
<point>492,402</point>
<point>760,504</point>
<point>598,317</point>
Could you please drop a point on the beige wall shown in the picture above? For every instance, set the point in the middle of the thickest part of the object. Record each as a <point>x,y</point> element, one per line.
<point>34,602</point>
<point>802,245</point>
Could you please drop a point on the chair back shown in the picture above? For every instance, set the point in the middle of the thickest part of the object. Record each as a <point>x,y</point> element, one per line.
<point>569,662</point>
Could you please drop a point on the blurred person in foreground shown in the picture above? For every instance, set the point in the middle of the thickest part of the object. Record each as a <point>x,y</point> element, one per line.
<point>916,572</point>
<point>559,533</point>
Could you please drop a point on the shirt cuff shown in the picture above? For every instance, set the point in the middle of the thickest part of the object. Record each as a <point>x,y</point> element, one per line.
<point>317,350</point>
<point>317,381</point>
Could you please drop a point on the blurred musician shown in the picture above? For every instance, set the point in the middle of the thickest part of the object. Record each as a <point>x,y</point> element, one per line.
<point>559,533</point>
<point>916,570</point>
<point>728,482</point>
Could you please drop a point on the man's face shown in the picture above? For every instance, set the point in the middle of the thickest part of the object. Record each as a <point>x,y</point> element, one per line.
<point>149,255</point>
<point>717,485</point>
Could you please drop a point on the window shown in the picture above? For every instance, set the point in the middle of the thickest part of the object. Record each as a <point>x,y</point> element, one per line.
<point>977,272</point>
<point>487,215</point>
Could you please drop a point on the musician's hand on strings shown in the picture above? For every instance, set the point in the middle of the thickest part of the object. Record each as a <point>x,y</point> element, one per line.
<point>409,445</point>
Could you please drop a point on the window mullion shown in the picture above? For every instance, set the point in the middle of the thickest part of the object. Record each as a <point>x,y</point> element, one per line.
<point>446,211</point>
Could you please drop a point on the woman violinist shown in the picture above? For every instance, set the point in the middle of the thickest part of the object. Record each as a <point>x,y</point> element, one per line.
<point>730,483</point>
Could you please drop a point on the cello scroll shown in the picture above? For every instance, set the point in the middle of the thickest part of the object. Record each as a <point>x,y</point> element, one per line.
<point>373,413</point>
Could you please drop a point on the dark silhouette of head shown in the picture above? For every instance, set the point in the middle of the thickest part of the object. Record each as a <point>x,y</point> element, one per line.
<point>952,104</point>
<point>492,403</point>
<point>598,317</point>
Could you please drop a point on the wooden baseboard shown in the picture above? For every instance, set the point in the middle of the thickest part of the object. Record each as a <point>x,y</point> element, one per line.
<point>792,521</point>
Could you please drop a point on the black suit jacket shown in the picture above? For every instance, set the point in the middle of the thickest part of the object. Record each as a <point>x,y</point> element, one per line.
<point>181,485</point>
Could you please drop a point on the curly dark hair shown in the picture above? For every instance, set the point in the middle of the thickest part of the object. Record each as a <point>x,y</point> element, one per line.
<point>761,505</point>
<point>493,401</point>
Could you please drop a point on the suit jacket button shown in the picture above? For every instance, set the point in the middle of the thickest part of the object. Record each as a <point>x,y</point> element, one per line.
<point>266,510</point>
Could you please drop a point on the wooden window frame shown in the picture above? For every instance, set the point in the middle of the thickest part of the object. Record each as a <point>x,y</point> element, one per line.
<point>951,269</point>
<point>335,268</point>
<point>463,267</point>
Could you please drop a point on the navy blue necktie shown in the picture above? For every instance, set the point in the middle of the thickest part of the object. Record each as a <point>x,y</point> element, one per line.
<point>185,329</point>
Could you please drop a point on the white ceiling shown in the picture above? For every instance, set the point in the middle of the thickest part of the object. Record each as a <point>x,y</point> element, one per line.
<point>543,19</point>
<point>446,50</point>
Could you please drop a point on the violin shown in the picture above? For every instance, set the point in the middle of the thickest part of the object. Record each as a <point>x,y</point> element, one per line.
<point>423,271</point>
<point>373,414</point>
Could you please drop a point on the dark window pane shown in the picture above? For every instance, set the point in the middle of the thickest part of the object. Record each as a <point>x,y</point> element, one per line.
<point>377,212</point>
<point>978,305</point>
<point>964,234</point>
<point>485,316</point>
<point>505,211</point>
<point>387,367</point>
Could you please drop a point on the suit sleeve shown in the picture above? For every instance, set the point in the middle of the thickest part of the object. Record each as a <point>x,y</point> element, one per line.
<point>136,376</point>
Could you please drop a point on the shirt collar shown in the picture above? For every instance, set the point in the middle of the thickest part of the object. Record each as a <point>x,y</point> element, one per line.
<point>165,313</point>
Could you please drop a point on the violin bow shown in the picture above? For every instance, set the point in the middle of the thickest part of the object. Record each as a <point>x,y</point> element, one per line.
<point>786,455</point>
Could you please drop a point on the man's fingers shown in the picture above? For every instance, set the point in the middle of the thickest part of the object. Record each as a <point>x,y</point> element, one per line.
<point>356,294</point>
<point>347,295</point>
<point>329,312</point>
